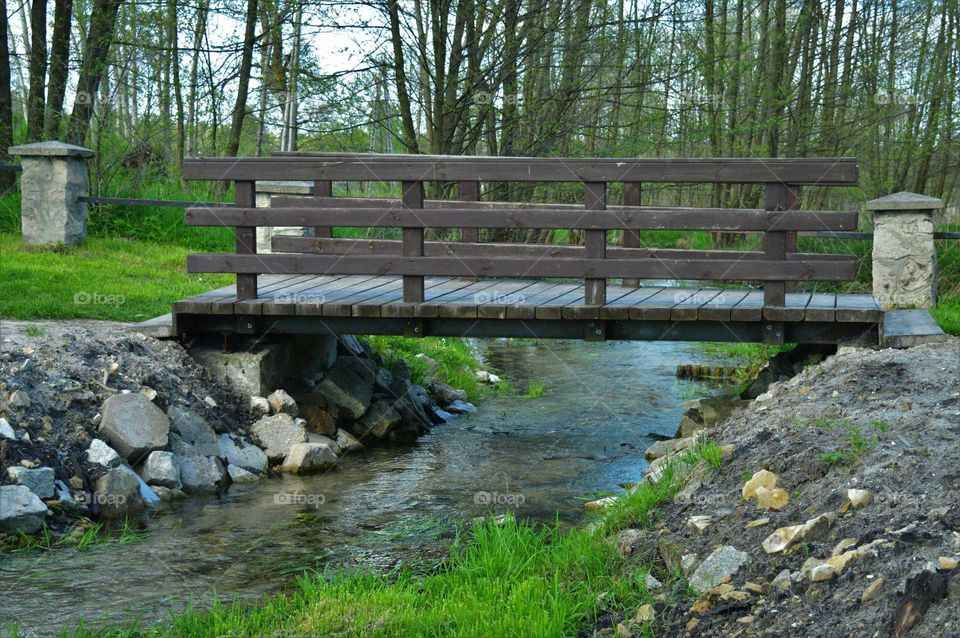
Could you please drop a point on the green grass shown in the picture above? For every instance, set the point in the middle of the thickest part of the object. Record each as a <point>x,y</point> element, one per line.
<point>456,363</point>
<point>947,314</point>
<point>536,390</point>
<point>83,534</point>
<point>114,279</point>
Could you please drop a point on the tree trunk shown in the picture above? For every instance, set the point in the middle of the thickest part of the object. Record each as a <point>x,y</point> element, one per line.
<point>403,96</point>
<point>59,58</point>
<point>38,68</point>
<point>103,26</point>
<point>243,84</point>
<point>7,178</point>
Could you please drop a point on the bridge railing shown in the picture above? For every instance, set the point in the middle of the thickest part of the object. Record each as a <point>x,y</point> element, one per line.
<point>595,262</point>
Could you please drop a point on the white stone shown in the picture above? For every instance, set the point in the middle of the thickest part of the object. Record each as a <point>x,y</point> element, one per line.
<point>347,442</point>
<point>282,403</point>
<point>904,255</point>
<point>723,562</point>
<point>99,453</point>
<point>259,405</point>
<point>19,399</point>
<point>200,473</point>
<point>304,458</point>
<point>6,431</point>
<point>275,434</point>
<point>134,426</point>
<point>240,475</point>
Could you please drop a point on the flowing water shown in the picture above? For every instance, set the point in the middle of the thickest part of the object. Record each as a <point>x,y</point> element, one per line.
<point>603,404</point>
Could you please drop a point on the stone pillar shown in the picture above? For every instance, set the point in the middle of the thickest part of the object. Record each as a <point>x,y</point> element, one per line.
<point>904,256</point>
<point>264,192</point>
<point>53,180</point>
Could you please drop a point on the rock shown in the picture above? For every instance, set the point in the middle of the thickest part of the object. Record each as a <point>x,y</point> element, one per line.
<point>350,345</point>
<point>667,447</point>
<point>347,442</point>
<point>855,499</point>
<point>282,403</point>
<point>699,523</point>
<point>162,469</point>
<point>783,581</point>
<point>241,453</point>
<point>644,614</point>
<point>485,377</point>
<point>407,403</point>
<point>687,564</point>
<point>820,573</point>
<point>240,475</point>
<point>6,432</point>
<point>21,511</point>
<point>147,495</point>
<point>439,415</point>
<point>133,425</point>
<point>99,453</point>
<point>872,590</point>
<point>430,363</point>
<point>148,392</point>
<point>651,583</point>
<point>843,546</point>
<point>754,588</point>
<point>319,419</point>
<point>347,391</point>
<point>947,563</point>
<point>75,482</point>
<point>118,493</point>
<point>775,499</point>
<point>190,434</point>
<point>259,405</point>
<point>319,438</point>
<point>19,399</point>
<point>462,407</point>
<point>599,504</point>
<point>166,494</point>
<point>760,522</point>
<point>209,402</point>
<point>275,434</point>
<point>626,538</point>
<point>763,478</point>
<point>40,481</point>
<point>785,537</point>
<point>723,563</point>
<point>304,458</point>
<point>378,421</point>
<point>200,473</point>
<point>445,394</point>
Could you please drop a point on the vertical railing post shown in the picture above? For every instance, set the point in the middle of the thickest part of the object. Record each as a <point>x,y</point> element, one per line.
<point>595,243</point>
<point>322,188</point>
<point>413,242</point>
<point>631,238</point>
<point>246,238</point>
<point>774,249</point>
<point>470,192</point>
<point>792,201</point>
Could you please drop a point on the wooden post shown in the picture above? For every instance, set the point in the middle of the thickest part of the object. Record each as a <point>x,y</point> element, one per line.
<point>792,203</point>
<point>774,248</point>
<point>470,192</point>
<point>595,243</point>
<point>322,188</point>
<point>413,242</point>
<point>631,238</point>
<point>245,196</point>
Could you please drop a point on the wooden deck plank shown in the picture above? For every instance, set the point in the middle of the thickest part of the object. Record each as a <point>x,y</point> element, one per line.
<point>402,309</point>
<point>750,308</point>
<point>284,301</point>
<point>591,311</point>
<point>620,308</point>
<point>512,294</point>
<point>795,304</point>
<point>553,309</point>
<point>719,308</point>
<point>658,306</point>
<point>314,298</point>
<point>462,296</point>
<point>688,309</point>
<point>373,306</point>
<point>858,308</point>
<point>545,291</point>
<point>277,295</point>
<point>339,303</point>
<point>822,307</point>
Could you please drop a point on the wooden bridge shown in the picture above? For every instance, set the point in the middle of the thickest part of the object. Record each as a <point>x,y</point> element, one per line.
<point>465,287</point>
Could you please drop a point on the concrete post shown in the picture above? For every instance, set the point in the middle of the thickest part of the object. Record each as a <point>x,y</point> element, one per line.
<point>267,189</point>
<point>904,256</point>
<point>54,178</point>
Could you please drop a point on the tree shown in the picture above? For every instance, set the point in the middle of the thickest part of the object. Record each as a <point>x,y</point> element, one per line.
<point>103,25</point>
<point>59,58</point>
<point>7,178</point>
<point>38,68</point>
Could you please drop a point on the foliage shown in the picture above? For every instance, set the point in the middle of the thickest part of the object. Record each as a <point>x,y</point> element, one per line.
<point>455,365</point>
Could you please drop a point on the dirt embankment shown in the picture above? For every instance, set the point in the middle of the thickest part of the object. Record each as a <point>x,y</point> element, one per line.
<point>884,423</point>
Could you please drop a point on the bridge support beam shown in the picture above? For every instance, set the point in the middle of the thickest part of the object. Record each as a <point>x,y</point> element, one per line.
<point>53,181</point>
<point>904,256</point>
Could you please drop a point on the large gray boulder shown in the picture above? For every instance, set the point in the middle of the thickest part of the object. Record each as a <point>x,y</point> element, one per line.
<point>190,434</point>
<point>149,497</point>
<point>118,494</point>
<point>410,407</point>
<point>445,394</point>
<point>20,510</point>
<point>347,442</point>
<point>163,469</point>
<point>6,430</point>
<point>306,458</point>
<point>39,480</point>
<point>275,434</point>
<point>243,454</point>
<point>344,389</point>
<point>200,473</point>
<point>378,421</point>
<point>133,425</point>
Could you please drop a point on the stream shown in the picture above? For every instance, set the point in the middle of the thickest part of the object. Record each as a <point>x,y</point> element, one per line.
<point>540,457</point>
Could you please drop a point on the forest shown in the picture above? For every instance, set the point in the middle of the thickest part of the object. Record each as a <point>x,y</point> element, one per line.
<point>147,83</point>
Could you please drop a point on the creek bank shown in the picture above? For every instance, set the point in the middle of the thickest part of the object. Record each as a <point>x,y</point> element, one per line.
<point>97,422</point>
<point>834,513</point>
